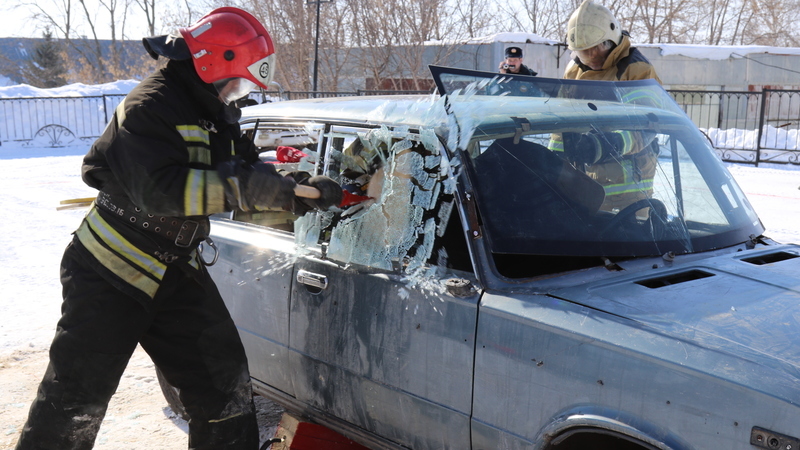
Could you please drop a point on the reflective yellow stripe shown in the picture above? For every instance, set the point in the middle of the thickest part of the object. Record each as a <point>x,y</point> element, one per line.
<point>629,183</point>
<point>224,418</point>
<point>193,133</point>
<point>117,265</point>
<point>194,201</point>
<point>556,145</point>
<point>119,244</point>
<point>199,155</point>
<point>120,113</point>
<point>624,188</point>
<point>627,141</point>
<point>643,97</point>
<point>215,193</point>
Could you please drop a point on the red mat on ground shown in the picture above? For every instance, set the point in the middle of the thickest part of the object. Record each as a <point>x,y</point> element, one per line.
<point>300,435</point>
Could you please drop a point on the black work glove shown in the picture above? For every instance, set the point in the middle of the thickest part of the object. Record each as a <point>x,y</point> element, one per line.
<point>254,187</point>
<point>330,193</point>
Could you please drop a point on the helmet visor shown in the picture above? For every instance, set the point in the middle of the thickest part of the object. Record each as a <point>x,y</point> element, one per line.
<point>231,89</point>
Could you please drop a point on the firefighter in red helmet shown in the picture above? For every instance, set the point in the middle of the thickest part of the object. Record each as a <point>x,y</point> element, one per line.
<point>172,155</point>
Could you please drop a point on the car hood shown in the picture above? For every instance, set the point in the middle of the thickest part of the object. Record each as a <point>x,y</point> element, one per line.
<point>745,304</point>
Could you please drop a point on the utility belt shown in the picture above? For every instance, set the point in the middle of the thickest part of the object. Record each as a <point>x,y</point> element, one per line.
<point>183,232</point>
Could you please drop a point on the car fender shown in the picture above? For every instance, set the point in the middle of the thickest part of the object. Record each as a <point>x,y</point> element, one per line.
<point>595,419</point>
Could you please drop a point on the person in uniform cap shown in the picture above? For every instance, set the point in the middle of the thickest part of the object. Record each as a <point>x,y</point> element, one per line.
<point>513,63</point>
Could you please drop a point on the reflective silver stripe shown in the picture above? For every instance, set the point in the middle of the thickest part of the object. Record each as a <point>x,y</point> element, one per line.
<point>201,29</point>
<point>194,201</point>
<point>123,247</point>
<point>193,133</point>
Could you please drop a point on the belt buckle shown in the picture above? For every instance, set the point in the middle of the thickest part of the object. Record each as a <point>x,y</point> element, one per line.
<point>179,239</point>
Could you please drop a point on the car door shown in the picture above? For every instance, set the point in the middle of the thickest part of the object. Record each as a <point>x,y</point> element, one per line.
<point>382,326</point>
<point>256,261</point>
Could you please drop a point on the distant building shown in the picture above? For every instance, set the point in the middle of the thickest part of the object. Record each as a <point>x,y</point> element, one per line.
<point>695,67</point>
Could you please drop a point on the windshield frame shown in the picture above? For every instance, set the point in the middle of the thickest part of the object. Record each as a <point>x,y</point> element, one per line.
<point>477,114</point>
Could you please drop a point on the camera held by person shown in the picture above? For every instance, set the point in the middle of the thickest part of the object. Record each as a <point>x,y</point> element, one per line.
<point>513,63</point>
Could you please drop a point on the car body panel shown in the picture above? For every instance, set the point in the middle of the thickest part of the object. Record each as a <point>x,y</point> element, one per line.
<point>256,264</point>
<point>384,355</point>
<point>746,309</point>
<point>664,363</point>
<point>353,320</point>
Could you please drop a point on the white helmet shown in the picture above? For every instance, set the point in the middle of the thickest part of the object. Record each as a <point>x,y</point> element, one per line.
<point>592,24</point>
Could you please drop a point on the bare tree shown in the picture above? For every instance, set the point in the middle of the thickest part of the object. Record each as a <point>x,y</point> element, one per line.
<point>90,58</point>
<point>149,9</point>
<point>393,40</point>
<point>474,18</point>
<point>291,26</point>
<point>335,51</point>
<point>547,18</point>
<point>182,15</point>
<point>771,22</point>
<point>658,18</point>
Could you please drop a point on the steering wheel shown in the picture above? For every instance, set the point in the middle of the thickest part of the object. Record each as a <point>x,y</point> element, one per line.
<point>656,206</point>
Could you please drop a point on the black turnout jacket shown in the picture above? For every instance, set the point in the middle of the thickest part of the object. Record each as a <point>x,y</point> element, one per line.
<point>157,157</point>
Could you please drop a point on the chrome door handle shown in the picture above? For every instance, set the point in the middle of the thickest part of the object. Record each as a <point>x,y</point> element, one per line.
<point>312,279</point>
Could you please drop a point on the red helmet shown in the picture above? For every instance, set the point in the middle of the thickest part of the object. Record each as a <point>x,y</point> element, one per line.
<point>230,43</point>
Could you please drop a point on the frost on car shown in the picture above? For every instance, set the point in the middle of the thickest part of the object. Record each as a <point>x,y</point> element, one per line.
<point>490,283</point>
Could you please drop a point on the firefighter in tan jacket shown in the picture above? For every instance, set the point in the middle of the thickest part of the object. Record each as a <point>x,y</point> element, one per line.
<point>622,162</point>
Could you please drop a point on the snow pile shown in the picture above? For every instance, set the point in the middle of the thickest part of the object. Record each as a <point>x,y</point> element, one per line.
<point>772,138</point>
<point>509,37</point>
<point>719,52</point>
<point>70,90</point>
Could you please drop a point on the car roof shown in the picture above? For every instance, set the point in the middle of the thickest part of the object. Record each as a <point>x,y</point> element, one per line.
<point>379,109</point>
<point>484,113</point>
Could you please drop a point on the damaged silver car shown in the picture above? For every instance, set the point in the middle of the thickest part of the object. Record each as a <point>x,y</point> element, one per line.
<point>519,263</point>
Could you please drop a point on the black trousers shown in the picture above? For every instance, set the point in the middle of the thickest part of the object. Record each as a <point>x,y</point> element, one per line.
<point>187,332</point>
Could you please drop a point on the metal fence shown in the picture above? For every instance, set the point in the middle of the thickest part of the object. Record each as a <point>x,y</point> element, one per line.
<point>744,127</point>
<point>747,127</point>
<point>55,121</point>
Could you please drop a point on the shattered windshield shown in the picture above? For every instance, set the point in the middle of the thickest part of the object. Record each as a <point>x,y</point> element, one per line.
<point>577,168</point>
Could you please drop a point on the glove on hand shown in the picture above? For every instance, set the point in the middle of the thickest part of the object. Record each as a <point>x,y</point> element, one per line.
<point>254,187</point>
<point>593,147</point>
<point>329,190</point>
<point>330,193</point>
